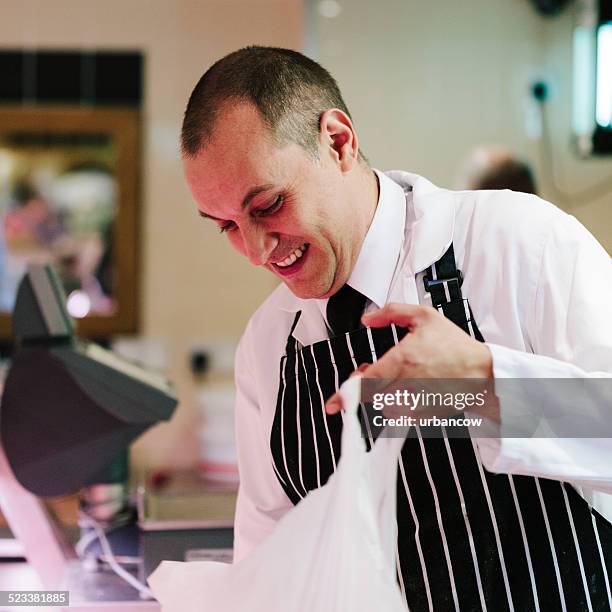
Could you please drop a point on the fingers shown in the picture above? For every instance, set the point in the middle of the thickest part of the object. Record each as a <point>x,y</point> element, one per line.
<point>362,368</point>
<point>334,403</point>
<point>404,315</point>
<point>392,365</point>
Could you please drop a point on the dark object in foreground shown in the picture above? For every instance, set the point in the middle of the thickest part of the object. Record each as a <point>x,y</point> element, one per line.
<point>69,408</point>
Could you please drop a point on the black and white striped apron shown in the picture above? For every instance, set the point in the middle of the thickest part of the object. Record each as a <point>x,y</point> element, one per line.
<point>468,539</point>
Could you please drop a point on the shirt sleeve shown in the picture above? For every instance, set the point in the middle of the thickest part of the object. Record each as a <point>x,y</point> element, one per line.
<point>261,500</point>
<point>570,331</point>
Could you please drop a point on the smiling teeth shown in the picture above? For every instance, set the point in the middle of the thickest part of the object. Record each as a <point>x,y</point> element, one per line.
<point>292,258</point>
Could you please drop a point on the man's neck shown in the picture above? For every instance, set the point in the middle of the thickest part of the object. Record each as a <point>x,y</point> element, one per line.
<point>372,189</point>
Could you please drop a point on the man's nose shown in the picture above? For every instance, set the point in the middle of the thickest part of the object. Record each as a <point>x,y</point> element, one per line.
<point>258,245</point>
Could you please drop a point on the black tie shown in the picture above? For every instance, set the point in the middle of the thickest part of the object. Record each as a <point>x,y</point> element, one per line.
<point>344,310</point>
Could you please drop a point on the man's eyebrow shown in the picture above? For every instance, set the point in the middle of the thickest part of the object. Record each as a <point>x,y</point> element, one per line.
<point>254,191</point>
<point>206,216</point>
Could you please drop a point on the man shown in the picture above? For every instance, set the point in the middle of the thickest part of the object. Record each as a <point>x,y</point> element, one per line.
<point>272,157</point>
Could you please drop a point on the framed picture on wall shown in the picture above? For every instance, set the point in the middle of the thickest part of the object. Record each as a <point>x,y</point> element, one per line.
<point>68,196</point>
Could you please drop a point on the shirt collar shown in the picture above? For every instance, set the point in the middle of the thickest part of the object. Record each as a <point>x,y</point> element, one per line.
<point>430,222</point>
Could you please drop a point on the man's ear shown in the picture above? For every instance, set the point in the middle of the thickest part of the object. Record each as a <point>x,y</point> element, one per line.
<point>338,138</point>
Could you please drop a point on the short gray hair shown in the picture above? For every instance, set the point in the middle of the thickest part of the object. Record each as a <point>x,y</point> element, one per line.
<point>289,90</point>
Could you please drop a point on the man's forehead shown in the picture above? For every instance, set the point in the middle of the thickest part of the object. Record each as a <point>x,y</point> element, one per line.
<point>221,183</point>
<point>240,156</point>
<point>238,131</point>
<point>226,181</point>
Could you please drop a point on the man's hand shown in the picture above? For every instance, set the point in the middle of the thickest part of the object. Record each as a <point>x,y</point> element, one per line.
<point>434,348</point>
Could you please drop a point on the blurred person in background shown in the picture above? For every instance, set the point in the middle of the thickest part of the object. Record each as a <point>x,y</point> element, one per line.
<point>495,167</point>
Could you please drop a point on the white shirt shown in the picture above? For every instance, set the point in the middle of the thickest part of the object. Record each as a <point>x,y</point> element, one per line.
<point>540,288</point>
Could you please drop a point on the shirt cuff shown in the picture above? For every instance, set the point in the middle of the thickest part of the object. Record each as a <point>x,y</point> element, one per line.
<point>503,447</point>
<point>536,418</point>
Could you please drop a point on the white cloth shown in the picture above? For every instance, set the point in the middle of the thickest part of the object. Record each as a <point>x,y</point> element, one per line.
<point>540,288</point>
<point>335,551</point>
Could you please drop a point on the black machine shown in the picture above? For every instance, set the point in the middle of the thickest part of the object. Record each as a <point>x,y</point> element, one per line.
<point>69,411</point>
<point>69,408</point>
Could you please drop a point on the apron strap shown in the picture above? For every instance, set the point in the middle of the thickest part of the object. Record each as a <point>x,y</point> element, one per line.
<point>442,279</point>
<point>443,282</point>
<point>291,346</point>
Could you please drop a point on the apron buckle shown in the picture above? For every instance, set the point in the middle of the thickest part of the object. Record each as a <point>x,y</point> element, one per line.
<point>430,283</point>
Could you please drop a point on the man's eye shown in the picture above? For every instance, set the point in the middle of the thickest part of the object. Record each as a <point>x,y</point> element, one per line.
<point>227,227</point>
<point>262,212</point>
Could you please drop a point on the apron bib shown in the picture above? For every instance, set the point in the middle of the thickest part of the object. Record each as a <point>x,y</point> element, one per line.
<point>468,539</point>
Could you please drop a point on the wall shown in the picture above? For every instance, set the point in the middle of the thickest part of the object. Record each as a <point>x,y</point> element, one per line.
<point>193,285</point>
<point>426,82</point>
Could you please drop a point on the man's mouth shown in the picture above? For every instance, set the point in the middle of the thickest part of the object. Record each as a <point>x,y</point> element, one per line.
<point>293,262</point>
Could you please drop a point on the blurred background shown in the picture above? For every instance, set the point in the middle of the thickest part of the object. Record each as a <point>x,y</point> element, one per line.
<point>444,89</point>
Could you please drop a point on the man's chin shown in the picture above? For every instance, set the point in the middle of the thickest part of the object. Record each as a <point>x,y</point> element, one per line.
<point>306,291</point>
<point>301,292</point>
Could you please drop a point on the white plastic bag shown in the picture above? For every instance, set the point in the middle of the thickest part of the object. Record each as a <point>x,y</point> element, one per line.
<point>334,552</point>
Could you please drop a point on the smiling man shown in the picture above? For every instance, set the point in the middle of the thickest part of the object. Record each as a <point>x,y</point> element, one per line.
<point>272,157</point>
<point>272,195</point>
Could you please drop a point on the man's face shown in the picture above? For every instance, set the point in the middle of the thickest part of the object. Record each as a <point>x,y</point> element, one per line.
<point>279,207</point>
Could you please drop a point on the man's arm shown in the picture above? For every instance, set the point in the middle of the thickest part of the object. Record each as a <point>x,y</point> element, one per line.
<point>570,329</point>
<point>261,500</point>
